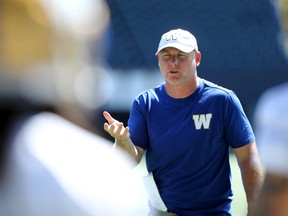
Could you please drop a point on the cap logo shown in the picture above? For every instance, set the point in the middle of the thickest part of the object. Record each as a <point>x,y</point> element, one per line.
<point>179,39</point>
<point>173,36</point>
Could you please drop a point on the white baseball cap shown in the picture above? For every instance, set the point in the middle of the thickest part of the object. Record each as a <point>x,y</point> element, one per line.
<point>179,39</point>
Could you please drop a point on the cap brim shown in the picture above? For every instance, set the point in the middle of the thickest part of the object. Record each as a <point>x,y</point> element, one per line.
<point>178,46</point>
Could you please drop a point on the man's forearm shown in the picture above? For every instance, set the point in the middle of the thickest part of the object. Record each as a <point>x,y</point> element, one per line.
<point>128,147</point>
<point>252,177</point>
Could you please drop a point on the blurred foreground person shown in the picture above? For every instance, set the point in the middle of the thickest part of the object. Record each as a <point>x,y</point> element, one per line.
<point>271,116</point>
<point>272,135</point>
<point>50,164</point>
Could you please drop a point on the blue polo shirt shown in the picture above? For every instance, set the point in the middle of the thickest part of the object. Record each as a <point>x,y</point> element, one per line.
<point>187,142</point>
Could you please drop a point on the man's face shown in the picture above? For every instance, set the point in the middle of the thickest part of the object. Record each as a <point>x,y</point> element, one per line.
<point>178,67</point>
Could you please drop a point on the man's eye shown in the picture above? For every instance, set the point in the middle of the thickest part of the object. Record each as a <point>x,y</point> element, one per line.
<point>181,56</point>
<point>166,57</point>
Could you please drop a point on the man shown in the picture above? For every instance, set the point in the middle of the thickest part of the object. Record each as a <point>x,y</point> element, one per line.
<point>186,126</point>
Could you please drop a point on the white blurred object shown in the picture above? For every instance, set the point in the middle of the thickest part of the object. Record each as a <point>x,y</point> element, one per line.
<point>153,193</point>
<point>56,168</point>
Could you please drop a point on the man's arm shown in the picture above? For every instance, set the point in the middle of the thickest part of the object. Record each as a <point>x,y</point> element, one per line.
<point>251,172</point>
<point>273,198</point>
<point>122,137</point>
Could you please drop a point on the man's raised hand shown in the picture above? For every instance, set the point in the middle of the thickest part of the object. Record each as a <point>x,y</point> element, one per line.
<point>115,128</point>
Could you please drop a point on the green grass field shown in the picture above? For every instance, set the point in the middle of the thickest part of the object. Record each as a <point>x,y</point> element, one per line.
<point>239,204</point>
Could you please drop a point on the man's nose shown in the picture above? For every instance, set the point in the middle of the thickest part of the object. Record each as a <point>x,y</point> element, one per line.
<point>174,61</point>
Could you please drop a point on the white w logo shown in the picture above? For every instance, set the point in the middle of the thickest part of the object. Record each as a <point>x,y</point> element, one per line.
<point>173,36</point>
<point>202,120</point>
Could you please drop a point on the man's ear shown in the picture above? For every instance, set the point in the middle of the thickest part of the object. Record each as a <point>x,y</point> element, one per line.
<point>198,58</point>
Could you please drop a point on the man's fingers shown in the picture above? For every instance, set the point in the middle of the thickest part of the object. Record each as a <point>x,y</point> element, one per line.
<point>126,133</point>
<point>106,126</point>
<point>109,118</point>
<point>115,128</point>
<point>119,130</point>
<point>122,133</point>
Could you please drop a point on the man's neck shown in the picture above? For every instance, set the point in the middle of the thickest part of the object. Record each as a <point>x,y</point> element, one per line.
<point>182,91</point>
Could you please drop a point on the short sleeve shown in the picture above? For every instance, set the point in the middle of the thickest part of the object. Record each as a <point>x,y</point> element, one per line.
<point>238,129</point>
<point>137,123</point>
